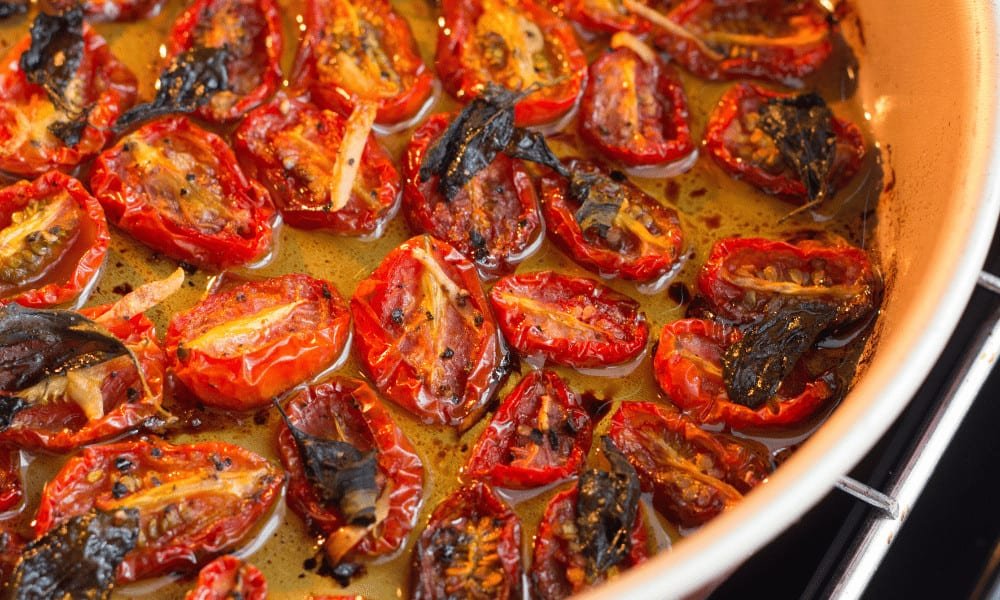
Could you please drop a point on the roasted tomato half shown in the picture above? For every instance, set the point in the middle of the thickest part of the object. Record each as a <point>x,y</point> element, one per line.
<point>195,501</point>
<point>540,434</point>
<point>571,321</point>
<point>112,10</point>
<point>693,474</point>
<point>178,189</point>
<point>362,52</point>
<point>11,490</point>
<point>739,144</point>
<point>425,333</point>
<point>53,240</point>
<point>241,347</point>
<point>493,220</point>
<point>634,109</point>
<point>778,40</point>
<point>250,31</point>
<point>471,548</point>
<point>39,131</point>
<point>369,508</point>
<point>229,578</point>
<point>517,44</point>
<point>307,158</point>
<point>618,230</point>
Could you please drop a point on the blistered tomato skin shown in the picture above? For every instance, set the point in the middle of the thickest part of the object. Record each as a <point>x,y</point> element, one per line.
<point>239,348</point>
<point>494,220</point>
<point>425,334</point>
<point>605,16</point>
<point>571,321</point>
<point>195,501</point>
<point>229,578</point>
<point>113,10</point>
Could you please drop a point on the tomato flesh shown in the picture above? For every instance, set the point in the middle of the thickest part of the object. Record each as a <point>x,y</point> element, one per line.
<point>113,10</point>
<point>229,578</point>
<point>11,490</point>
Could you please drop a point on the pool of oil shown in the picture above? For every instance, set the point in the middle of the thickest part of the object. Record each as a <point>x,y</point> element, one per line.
<point>712,206</point>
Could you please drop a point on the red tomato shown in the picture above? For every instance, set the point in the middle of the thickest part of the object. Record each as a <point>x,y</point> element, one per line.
<point>778,40</point>
<point>693,474</point>
<point>738,144</point>
<point>362,51</point>
<point>53,240</point>
<point>514,43</point>
<point>688,367</point>
<point>11,490</point>
<point>643,243</point>
<point>747,278</point>
<point>425,333</point>
<point>347,410</point>
<point>195,501</point>
<point>293,147</point>
<point>635,111</point>
<point>178,189</point>
<point>27,145</point>
<point>229,578</point>
<point>539,435</point>
<point>571,321</point>
<point>493,220</point>
<point>251,32</point>
<point>606,16</point>
<point>471,548</point>
<point>112,10</point>
<point>239,348</point>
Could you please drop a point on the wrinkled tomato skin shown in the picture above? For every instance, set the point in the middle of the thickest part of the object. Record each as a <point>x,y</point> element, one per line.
<point>728,467</point>
<point>729,119</point>
<point>214,521</point>
<point>254,61</point>
<point>62,427</point>
<point>123,188</point>
<point>394,38</point>
<point>500,205</point>
<point>557,571</point>
<point>639,261</point>
<point>349,407</point>
<point>71,274</point>
<point>474,368</point>
<point>657,133</point>
<point>11,489</point>
<point>701,393</point>
<point>598,19</point>
<point>258,144</point>
<point>473,511</point>
<point>113,10</point>
<point>229,578</point>
<point>463,74</point>
<point>277,356</point>
<point>565,308</point>
<point>109,86</point>
<point>493,460</point>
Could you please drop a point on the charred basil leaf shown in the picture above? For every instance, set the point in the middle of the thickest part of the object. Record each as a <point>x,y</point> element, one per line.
<point>78,559</point>
<point>14,8</point>
<point>754,367</point>
<point>9,407</point>
<point>802,129</point>
<point>600,199</point>
<point>531,146</point>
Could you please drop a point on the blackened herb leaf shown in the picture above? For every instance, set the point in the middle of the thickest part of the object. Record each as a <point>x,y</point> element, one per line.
<point>530,145</point>
<point>77,559</point>
<point>9,407</point>
<point>802,129</point>
<point>13,8</point>
<point>754,367</point>
<point>70,132</point>
<point>600,199</point>
<point>55,54</point>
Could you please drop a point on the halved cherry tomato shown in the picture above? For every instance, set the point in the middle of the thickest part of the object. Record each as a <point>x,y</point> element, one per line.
<point>606,16</point>
<point>11,490</point>
<point>738,144</point>
<point>229,578</point>
<point>53,240</point>
<point>746,278</point>
<point>493,220</point>
<point>517,44</point>
<point>571,321</point>
<point>426,336</point>
<point>241,347</point>
<point>471,548</point>
<point>102,85</point>
<point>643,243</point>
<point>688,367</point>
<point>778,40</point>
<point>250,30</point>
<point>540,434</point>
<point>693,474</point>
<point>195,501</point>
<point>347,410</point>
<point>294,147</point>
<point>362,51</point>
<point>635,111</point>
<point>112,10</point>
<point>178,189</point>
